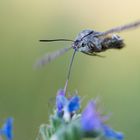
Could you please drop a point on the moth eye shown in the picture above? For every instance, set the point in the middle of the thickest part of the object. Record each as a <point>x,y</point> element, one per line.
<point>83,45</point>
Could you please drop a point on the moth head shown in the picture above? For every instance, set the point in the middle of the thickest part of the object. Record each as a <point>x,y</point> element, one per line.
<point>80,41</point>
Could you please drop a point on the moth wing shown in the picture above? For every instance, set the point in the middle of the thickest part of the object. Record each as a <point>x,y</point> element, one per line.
<point>121,28</point>
<point>48,57</point>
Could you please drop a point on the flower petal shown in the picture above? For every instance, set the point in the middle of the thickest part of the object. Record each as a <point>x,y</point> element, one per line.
<point>8,128</point>
<point>110,133</point>
<point>61,100</point>
<point>90,119</point>
<point>74,104</point>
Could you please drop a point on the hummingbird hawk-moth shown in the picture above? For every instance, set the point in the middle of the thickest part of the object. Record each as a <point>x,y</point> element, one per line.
<point>89,42</point>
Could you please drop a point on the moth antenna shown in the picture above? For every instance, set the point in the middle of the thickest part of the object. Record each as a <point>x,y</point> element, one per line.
<point>47,58</point>
<point>121,28</point>
<point>53,40</point>
<point>69,71</point>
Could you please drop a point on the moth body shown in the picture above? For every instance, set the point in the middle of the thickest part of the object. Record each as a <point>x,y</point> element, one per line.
<point>90,42</point>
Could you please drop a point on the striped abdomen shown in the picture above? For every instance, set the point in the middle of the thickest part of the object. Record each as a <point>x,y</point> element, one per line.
<point>112,42</point>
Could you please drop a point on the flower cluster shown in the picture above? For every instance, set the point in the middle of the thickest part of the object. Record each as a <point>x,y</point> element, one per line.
<point>69,122</point>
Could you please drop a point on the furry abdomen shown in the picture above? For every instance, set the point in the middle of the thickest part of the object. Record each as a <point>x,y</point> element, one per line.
<point>112,42</point>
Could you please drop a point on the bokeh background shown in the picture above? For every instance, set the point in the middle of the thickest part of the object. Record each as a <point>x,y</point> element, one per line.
<point>27,94</point>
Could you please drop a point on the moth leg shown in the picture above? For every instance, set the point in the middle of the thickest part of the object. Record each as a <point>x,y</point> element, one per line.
<point>93,54</point>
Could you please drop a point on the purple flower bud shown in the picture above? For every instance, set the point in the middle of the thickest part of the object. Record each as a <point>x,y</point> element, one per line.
<point>92,121</point>
<point>90,118</point>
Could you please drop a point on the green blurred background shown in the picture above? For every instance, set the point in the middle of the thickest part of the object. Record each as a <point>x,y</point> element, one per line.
<point>26,93</point>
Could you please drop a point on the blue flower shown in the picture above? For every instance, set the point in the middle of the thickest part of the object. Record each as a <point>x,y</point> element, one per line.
<point>66,104</point>
<point>92,121</point>
<point>110,133</point>
<point>74,104</point>
<point>7,129</point>
<point>61,100</point>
